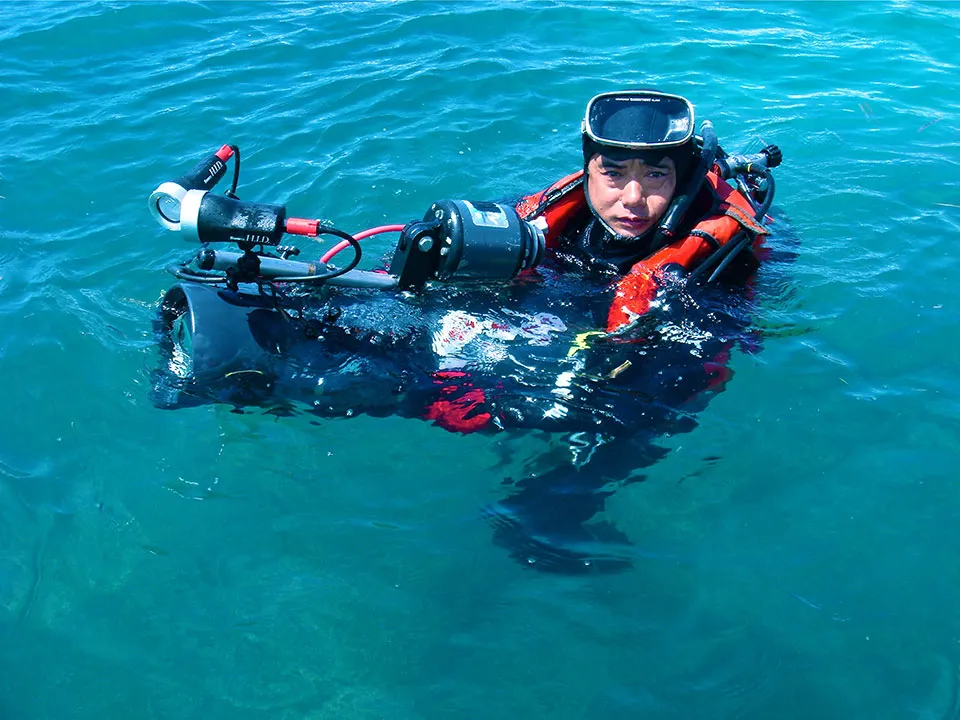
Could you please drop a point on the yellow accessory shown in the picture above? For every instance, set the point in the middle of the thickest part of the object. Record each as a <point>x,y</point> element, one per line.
<point>580,342</point>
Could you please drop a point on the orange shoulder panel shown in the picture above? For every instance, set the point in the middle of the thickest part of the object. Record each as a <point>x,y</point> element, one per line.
<point>556,205</point>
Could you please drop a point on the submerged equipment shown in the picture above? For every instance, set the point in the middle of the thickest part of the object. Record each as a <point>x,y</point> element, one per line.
<point>232,309</point>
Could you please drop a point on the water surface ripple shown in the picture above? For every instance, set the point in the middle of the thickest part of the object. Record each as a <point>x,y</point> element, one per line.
<point>793,554</point>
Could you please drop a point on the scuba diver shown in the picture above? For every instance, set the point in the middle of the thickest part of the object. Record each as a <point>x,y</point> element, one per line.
<point>648,208</point>
<point>613,330</point>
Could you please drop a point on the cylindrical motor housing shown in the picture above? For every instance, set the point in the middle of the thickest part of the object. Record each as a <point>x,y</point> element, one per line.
<point>483,240</point>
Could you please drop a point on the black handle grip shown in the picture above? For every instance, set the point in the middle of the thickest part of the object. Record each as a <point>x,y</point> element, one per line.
<point>208,172</point>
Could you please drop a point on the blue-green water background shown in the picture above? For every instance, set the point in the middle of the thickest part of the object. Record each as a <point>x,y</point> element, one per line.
<point>799,548</point>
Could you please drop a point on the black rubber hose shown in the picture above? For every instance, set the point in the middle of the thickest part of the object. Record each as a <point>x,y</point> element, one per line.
<point>768,198</point>
<point>232,192</point>
<point>184,273</point>
<point>680,205</point>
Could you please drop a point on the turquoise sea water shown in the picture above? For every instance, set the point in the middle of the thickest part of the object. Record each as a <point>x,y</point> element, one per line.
<point>798,549</point>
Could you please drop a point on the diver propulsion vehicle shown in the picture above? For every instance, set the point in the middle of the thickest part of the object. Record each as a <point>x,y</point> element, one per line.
<point>232,312</point>
<point>245,324</point>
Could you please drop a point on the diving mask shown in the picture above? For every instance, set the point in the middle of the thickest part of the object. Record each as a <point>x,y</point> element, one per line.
<point>638,120</point>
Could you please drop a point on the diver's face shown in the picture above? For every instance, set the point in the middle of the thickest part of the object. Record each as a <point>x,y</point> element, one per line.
<point>629,195</point>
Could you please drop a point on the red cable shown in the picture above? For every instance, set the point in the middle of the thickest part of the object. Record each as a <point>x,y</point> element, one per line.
<point>325,258</point>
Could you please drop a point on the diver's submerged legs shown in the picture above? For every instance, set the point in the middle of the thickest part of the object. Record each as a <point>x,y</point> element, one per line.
<point>545,521</point>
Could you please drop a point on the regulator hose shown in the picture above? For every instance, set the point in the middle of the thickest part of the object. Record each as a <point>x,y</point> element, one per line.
<point>768,198</point>
<point>681,203</point>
